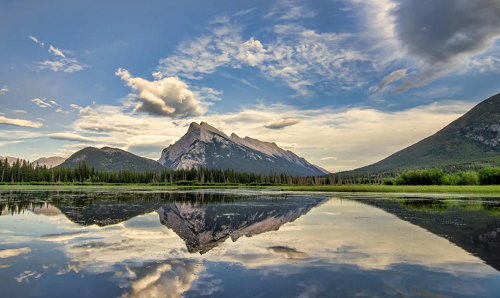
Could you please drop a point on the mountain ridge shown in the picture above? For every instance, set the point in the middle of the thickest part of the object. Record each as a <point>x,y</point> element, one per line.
<point>111,159</point>
<point>205,146</point>
<point>474,137</point>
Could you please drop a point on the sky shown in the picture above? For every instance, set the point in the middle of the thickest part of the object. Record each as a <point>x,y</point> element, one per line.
<point>342,83</point>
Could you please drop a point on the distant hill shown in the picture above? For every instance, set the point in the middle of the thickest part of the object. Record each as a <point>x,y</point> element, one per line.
<point>207,147</point>
<point>10,159</point>
<point>112,160</point>
<point>49,162</point>
<point>472,138</point>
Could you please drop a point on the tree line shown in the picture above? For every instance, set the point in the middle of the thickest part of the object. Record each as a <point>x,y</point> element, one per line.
<point>22,171</point>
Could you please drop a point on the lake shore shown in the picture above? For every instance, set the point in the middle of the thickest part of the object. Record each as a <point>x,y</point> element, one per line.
<point>356,188</point>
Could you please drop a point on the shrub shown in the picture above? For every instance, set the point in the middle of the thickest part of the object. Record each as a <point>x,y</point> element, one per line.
<point>489,176</point>
<point>467,178</point>
<point>421,177</point>
<point>388,181</point>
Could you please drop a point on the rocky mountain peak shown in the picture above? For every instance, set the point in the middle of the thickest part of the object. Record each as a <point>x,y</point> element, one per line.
<point>205,146</point>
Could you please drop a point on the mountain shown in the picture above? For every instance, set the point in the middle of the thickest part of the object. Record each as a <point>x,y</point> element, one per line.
<point>111,159</point>
<point>206,146</point>
<point>205,226</point>
<point>474,137</point>
<point>49,162</point>
<point>10,159</point>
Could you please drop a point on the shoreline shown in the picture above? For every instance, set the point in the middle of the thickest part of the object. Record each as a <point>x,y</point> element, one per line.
<point>359,188</point>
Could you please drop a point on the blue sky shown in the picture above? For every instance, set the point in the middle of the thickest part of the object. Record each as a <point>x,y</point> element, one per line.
<point>342,83</point>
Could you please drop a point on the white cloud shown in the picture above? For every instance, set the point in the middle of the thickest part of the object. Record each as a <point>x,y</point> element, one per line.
<point>56,52</point>
<point>67,65</point>
<point>328,158</point>
<point>20,122</point>
<point>208,93</point>
<point>54,103</point>
<point>290,10</point>
<point>244,12</point>
<point>300,57</point>
<point>70,137</point>
<point>488,64</point>
<point>5,143</point>
<point>19,111</point>
<point>81,110</point>
<point>36,40</point>
<point>166,97</point>
<point>41,102</point>
<point>3,90</point>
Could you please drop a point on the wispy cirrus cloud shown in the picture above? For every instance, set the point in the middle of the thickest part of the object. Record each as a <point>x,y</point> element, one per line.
<point>56,51</point>
<point>298,56</point>
<point>41,102</point>
<point>290,10</point>
<point>36,40</point>
<point>66,65</point>
<point>62,63</point>
<point>19,122</point>
<point>70,137</point>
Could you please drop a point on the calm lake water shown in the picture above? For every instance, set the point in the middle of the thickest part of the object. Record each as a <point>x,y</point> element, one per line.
<point>246,244</point>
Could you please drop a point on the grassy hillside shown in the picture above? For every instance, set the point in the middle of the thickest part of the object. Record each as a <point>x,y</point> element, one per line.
<point>111,159</point>
<point>473,138</point>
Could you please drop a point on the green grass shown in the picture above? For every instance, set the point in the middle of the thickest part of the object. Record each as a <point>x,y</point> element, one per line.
<point>451,189</point>
<point>356,188</point>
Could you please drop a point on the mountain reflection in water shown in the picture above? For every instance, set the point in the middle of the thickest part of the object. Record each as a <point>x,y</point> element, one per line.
<point>159,244</point>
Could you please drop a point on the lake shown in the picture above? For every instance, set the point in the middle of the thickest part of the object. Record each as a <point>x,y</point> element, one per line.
<point>243,243</point>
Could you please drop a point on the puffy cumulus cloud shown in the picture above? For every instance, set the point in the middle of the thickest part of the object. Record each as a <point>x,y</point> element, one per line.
<point>165,97</point>
<point>357,136</point>
<point>19,122</point>
<point>282,123</point>
<point>4,89</point>
<point>41,102</point>
<point>56,52</point>
<point>70,137</point>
